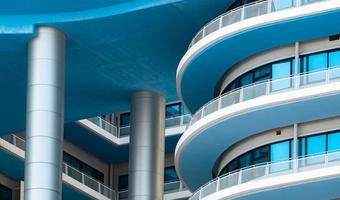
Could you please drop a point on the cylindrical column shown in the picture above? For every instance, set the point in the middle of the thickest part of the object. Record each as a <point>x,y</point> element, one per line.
<point>45,115</point>
<point>146,154</point>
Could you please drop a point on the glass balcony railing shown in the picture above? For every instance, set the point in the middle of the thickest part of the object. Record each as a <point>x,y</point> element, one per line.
<point>248,11</point>
<point>124,131</point>
<point>170,187</point>
<point>70,171</point>
<point>266,88</point>
<point>267,170</point>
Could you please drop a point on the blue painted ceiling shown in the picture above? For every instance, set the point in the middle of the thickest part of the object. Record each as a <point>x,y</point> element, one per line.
<point>113,49</point>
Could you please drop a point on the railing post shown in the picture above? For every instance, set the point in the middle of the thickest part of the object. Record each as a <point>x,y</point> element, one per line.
<point>220,25</point>
<point>66,169</point>
<point>202,113</point>
<point>269,6</point>
<point>327,76</point>
<point>180,186</point>
<point>242,13</point>
<point>267,170</point>
<point>240,177</point>
<point>268,87</point>
<point>241,95</point>
<point>99,188</point>
<point>218,184</point>
<point>296,165</point>
<point>100,122</point>
<point>219,103</point>
<point>200,195</point>
<point>326,159</point>
<point>14,140</point>
<point>82,178</point>
<point>181,123</point>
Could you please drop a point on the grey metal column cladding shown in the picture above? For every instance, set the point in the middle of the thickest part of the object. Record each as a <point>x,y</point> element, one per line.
<point>45,115</point>
<point>146,154</point>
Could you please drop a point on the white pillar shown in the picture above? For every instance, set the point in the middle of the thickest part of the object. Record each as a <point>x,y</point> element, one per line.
<point>146,151</point>
<point>45,115</point>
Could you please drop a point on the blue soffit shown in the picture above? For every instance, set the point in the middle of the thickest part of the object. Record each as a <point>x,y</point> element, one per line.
<point>114,48</point>
<point>202,74</point>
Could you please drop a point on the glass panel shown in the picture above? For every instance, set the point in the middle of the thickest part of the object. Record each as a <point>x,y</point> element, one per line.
<point>281,70</point>
<point>123,182</point>
<point>280,5</point>
<point>262,74</point>
<point>170,174</point>
<point>317,62</point>
<point>173,110</point>
<point>334,62</point>
<point>333,142</point>
<point>302,147</point>
<point>125,119</point>
<point>232,166</point>
<point>279,152</point>
<point>261,155</point>
<point>245,160</point>
<point>316,144</point>
<point>246,79</point>
<point>5,193</point>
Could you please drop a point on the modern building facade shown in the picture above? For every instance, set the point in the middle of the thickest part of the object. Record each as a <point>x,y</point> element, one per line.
<point>262,84</point>
<point>92,107</point>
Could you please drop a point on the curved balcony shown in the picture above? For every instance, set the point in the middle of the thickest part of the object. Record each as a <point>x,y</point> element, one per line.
<point>269,87</point>
<point>247,31</point>
<point>249,110</point>
<point>71,176</point>
<point>251,10</point>
<point>267,171</point>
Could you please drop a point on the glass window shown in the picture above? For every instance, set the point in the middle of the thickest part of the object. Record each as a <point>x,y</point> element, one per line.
<point>246,79</point>
<point>334,62</point>
<point>170,174</point>
<point>173,110</point>
<point>5,193</point>
<point>245,160</point>
<point>281,71</point>
<point>125,119</point>
<point>280,5</point>
<point>333,141</point>
<point>317,62</point>
<point>233,85</point>
<point>302,147</point>
<point>123,182</point>
<point>280,152</point>
<point>232,166</point>
<point>261,155</point>
<point>262,74</point>
<point>316,144</point>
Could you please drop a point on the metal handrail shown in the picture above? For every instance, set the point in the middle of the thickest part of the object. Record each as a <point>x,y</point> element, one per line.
<point>123,131</point>
<point>266,88</point>
<point>70,171</point>
<point>241,13</point>
<point>265,170</point>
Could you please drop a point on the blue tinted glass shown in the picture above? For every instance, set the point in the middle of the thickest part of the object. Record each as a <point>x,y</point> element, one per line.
<point>302,147</point>
<point>262,74</point>
<point>232,166</point>
<point>279,71</point>
<point>170,174</point>
<point>246,79</point>
<point>123,182</point>
<point>124,119</point>
<point>334,141</point>
<point>303,64</point>
<point>279,5</point>
<point>293,67</point>
<point>245,160</point>
<point>317,62</point>
<point>261,155</point>
<point>173,110</point>
<point>334,59</point>
<point>280,151</point>
<point>5,193</point>
<point>316,144</point>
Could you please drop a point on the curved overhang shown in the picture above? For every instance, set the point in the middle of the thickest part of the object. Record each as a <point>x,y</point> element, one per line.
<point>206,61</point>
<point>201,144</point>
<point>113,50</point>
<point>320,184</point>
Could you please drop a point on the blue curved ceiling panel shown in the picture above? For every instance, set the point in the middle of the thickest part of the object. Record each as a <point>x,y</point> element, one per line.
<point>112,51</point>
<point>202,74</point>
